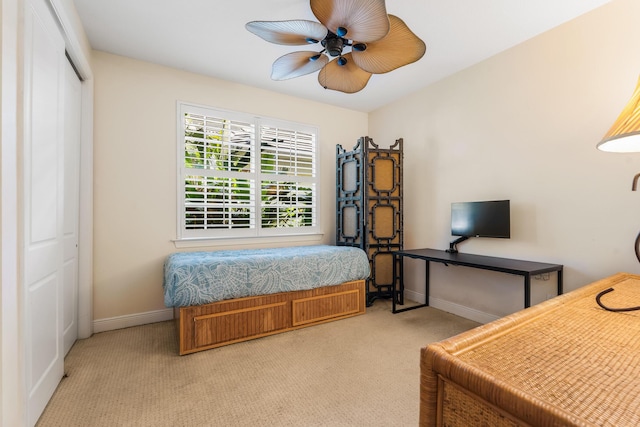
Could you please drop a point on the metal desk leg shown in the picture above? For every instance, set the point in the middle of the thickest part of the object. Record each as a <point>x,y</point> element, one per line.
<point>527,290</point>
<point>399,275</point>
<point>394,291</point>
<point>426,283</point>
<point>560,282</point>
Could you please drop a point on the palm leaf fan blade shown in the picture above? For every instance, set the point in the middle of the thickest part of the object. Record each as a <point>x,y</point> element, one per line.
<point>297,64</point>
<point>294,32</point>
<point>400,47</point>
<point>364,20</point>
<point>348,78</point>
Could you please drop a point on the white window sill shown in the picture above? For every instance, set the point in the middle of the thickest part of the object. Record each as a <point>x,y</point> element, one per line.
<point>199,242</point>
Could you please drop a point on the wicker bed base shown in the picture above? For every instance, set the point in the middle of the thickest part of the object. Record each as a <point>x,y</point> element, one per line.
<point>203,327</point>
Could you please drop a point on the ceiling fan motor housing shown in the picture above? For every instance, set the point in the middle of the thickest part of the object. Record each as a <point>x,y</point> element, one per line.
<point>333,44</point>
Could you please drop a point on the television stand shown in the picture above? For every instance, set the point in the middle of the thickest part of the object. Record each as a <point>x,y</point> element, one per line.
<point>526,269</point>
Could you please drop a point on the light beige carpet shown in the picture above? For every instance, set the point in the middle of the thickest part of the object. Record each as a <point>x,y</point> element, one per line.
<point>361,371</point>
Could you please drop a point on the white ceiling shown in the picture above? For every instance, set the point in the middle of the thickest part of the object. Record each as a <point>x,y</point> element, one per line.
<point>208,37</point>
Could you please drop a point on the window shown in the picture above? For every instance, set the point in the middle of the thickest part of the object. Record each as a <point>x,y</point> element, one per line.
<point>243,176</point>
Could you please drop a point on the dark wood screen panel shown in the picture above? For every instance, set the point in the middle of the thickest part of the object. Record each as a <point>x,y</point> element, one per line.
<point>369,208</point>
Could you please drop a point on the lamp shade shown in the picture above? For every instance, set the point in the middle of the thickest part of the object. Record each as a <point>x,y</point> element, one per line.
<point>624,135</point>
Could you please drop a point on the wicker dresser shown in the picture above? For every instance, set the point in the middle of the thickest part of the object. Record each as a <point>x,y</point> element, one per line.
<point>565,362</point>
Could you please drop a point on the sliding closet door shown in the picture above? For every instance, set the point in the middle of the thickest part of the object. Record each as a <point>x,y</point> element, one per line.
<point>43,180</point>
<point>72,122</point>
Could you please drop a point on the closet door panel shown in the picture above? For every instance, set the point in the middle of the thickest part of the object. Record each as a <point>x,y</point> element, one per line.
<point>72,138</point>
<point>43,181</point>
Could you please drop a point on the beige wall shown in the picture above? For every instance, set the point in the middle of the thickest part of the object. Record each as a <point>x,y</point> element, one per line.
<point>135,170</point>
<point>523,125</point>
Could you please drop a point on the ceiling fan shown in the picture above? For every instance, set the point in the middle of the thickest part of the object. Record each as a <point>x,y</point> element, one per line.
<point>358,35</point>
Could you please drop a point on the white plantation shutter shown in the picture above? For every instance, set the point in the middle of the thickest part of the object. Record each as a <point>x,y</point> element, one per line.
<point>287,178</point>
<point>212,203</point>
<point>232,186</point>
<point>293,152</point>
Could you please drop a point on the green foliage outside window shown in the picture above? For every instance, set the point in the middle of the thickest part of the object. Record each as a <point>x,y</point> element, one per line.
<point>226,201</point>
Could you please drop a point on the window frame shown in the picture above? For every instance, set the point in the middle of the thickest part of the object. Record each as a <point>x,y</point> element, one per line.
<point>184,234</point>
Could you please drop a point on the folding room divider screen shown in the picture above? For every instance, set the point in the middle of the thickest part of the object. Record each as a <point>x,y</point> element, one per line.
<point>369,210</point>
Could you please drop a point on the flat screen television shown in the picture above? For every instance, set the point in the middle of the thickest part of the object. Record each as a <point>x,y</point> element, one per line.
<point>480,219</point>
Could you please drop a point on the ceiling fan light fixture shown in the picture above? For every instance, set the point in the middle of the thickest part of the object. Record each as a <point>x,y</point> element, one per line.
<point>359,47</point>
<point>377,43</point>
<point>334,45</point>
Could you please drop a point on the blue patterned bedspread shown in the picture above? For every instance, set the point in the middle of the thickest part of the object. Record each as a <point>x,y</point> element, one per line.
<point>194,278</point>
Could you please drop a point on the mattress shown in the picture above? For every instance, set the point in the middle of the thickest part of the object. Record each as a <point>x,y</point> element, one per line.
<point>195,278</point>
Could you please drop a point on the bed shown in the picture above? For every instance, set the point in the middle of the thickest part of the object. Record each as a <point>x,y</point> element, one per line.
<point>229,296</point>
<point>564,362</point>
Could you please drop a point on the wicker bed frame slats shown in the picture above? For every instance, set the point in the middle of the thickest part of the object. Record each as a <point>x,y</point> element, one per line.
<point>323,307</point>
<point>202,327</point>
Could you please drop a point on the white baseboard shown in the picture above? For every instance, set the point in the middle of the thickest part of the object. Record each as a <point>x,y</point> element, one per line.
<point>453,308</point>
<point>127,321</point>
<point>414,296</point>
<point>119,322</point>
